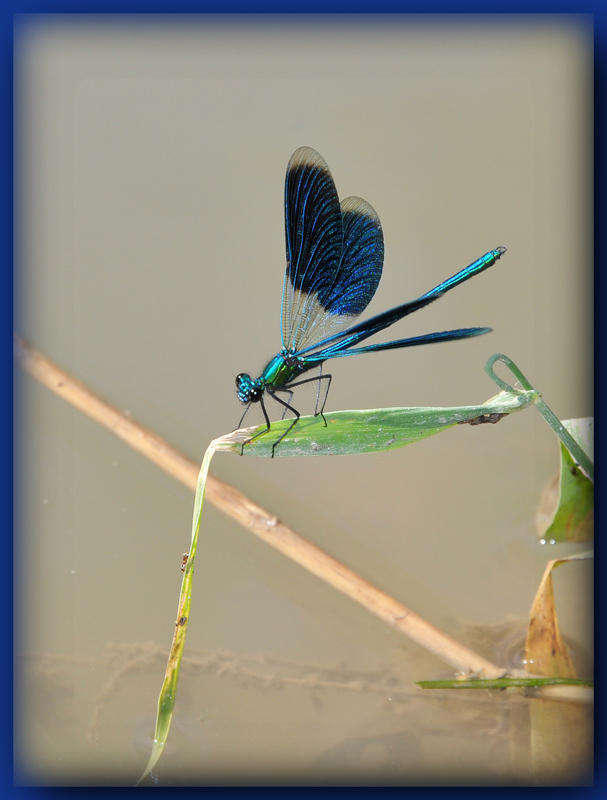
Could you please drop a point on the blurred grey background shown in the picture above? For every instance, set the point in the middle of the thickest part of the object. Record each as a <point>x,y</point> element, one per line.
<point>150,161</point>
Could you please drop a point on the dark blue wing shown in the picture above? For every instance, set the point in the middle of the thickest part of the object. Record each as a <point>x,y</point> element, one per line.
<point>314,238</point>
<point>361,264</point>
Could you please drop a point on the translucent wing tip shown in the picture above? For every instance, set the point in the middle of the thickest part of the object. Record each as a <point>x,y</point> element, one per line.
<point>307,156</point>
<point>356,205</point>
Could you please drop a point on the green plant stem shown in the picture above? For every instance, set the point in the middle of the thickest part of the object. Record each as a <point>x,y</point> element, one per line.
<point>504,683</point>
<point>577,452</point>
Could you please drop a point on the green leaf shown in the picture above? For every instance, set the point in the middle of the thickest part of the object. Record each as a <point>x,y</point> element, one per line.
<point>566,510</point>
<point>367,431</point>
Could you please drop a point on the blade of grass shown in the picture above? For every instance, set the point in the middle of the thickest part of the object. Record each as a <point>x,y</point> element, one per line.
<point>168,692</point>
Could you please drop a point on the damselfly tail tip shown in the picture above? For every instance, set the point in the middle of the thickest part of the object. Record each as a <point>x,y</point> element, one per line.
<point>501,250</point>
